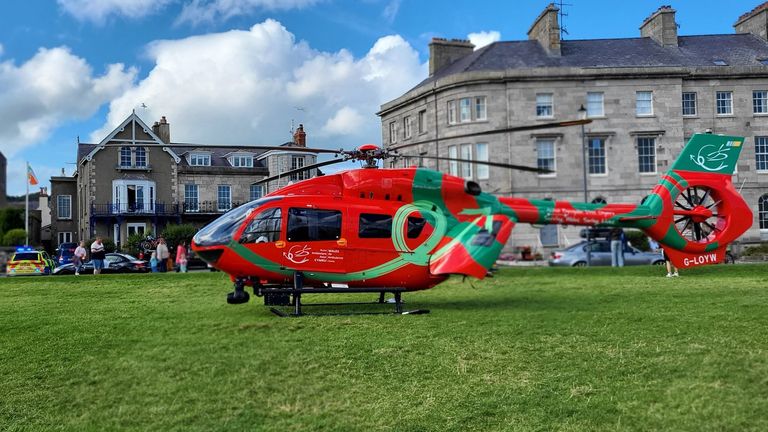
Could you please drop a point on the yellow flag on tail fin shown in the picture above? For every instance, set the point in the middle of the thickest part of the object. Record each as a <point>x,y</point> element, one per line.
<point>31,177</point>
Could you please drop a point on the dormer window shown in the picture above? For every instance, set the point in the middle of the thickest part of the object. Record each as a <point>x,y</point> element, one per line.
<point>241,160</point>
<point>200,159</point>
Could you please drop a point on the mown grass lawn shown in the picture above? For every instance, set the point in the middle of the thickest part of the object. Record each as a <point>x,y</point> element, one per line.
<point>531,349</point>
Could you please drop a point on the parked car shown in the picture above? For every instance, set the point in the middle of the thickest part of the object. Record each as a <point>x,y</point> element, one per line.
<point>113,263</point>
<point>27,261</point>
<point>576,255</point>
<point>65,252</point>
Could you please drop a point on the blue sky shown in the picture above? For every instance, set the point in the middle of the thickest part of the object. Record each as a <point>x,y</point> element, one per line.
<point>239,71</point>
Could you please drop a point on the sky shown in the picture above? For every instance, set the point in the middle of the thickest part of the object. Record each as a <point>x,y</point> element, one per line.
<point>242,72</point>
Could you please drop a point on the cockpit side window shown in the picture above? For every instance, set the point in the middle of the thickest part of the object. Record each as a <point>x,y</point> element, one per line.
<point>264,228</point>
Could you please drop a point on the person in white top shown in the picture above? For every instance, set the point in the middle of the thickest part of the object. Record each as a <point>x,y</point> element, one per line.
<point>162,255</point>
<point>79,257</point>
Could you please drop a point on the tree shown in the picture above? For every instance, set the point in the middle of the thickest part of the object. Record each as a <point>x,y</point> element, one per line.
<point>15,237</point>
<point>174,234</point>
<point>10,218</point>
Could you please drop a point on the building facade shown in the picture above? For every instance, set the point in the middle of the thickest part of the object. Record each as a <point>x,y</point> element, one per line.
<point>646,97</point>
<point>137,181</point>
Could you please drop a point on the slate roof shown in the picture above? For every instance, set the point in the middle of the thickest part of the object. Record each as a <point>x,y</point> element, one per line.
<point>692,51</point>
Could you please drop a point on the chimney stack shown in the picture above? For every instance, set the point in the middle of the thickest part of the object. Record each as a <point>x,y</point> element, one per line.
<point>443,52</point>
<point>300,137</point>
<point>754,21</point>
<point>163,130</point>
<point>546,30</point>
<point>661,27</point>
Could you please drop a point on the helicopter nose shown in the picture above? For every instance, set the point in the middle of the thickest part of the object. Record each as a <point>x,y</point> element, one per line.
<point>209,254</point>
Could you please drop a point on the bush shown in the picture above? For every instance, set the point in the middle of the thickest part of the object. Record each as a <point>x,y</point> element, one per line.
<point>174,234</point>
<point>758,250</point>
<point>132,244</point>
<point>15,237</point>
<point>109,245</point>
<point>638,239</point>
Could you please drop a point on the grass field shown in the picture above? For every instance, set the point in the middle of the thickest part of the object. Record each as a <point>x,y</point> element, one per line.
<point>532,349</point>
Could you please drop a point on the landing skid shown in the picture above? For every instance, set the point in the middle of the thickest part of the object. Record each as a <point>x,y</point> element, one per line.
<point>291,296</point>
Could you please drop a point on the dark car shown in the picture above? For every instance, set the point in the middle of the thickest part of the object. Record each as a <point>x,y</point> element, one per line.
<point>113,263</point>
<point>64,253</point>
<point>576,255</point>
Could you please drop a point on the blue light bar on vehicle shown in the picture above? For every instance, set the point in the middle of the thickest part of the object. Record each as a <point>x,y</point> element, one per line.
<point>24,249</point>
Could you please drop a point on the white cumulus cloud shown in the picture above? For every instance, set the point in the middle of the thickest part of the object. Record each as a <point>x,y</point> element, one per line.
<point>51,88</point>
<point>483,38</point>
<point>245,87</point>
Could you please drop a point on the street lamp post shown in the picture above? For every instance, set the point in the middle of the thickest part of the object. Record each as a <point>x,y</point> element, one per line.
<point>583,115</point>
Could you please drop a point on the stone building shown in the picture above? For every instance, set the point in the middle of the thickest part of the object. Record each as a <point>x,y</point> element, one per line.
<point>645,95</point>
<point>137,181</point>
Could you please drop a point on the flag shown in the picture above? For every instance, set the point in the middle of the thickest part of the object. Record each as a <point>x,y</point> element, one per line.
<point>31,177</point>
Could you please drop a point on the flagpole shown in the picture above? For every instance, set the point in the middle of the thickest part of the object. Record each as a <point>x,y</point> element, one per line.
<point>26,208</point>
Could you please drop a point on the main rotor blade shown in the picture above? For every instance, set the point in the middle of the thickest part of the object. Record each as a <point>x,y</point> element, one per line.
<point>503,130</point>
<point>298,170</point>
<point>278,148</point>
<point>494,164</point>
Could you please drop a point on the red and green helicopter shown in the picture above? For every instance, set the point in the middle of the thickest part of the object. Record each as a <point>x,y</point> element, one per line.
<point>407,229</point>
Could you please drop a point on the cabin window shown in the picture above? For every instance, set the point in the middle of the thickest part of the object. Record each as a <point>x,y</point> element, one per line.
<point>313,225</point>
<point>264,228</point>
<point>375,226</point>
<point>415,226</point>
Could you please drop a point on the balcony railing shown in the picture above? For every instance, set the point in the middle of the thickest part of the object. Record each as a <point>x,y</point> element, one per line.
<point>134,209</point>
<point>203,207</point>
<point>161,209</point>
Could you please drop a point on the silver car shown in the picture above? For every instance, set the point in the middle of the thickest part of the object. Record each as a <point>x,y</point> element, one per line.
<point>576,255</point>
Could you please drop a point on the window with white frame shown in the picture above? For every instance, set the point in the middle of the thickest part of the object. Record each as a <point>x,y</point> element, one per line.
<point>133,196</point>
<point>761,153</point>
<point>595,104</point>
<point>65,237</point>
<point>451,112</point>
<point>200,159</point>
<point>544,108</point>
<point>481,154</point>
<point>296,163</point>
<point>224,197</point>
<point>465,110</point>
<point>689,103</point>
<point>762,212</point>
<point>191,198</point>
<point>481,112</point>
<point>241,161</point>
<point>256,191</point>
<point>760,102</point>
<point>136,228</point>
<point>545,155</point>
<point>724,102</point>
<point>422,121</point>
<point>596,153</point>
<point>466,154</point>
<point>64,207</point>
<point>644,103</point>
<point>392,132</point>
<point>140,156</point>
<point>407,127</point>
<point>453,166</point>
<point>646,154</point>
<point>125,157</point>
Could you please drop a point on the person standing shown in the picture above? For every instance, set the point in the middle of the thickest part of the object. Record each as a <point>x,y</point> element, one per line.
<point>79,257</point>
<point>97,255</point>
<point>617,247</point>
<point>162,255</point>
<point>670,266</point>
<point>181,256</point>
<point>153,262</point>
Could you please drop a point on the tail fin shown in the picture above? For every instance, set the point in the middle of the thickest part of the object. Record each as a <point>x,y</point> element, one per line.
<point>698,210</point>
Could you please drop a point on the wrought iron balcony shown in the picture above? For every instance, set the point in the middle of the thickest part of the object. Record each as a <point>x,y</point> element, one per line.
<point>149,209</point>
<point>206,207</point>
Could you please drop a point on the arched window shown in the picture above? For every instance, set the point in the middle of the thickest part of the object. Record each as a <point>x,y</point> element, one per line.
<point>599,200</point>
<point>762,212</point>
<point>141,157</point>
<point>125,156</point>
